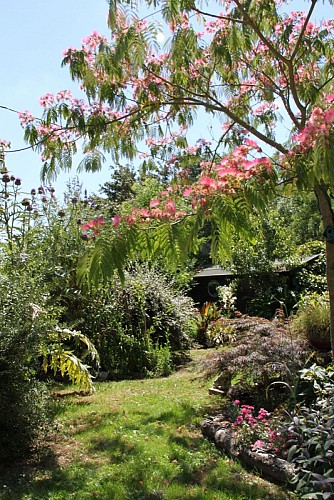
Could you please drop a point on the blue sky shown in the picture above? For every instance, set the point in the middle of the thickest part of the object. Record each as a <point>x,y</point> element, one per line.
<point>32,37</point>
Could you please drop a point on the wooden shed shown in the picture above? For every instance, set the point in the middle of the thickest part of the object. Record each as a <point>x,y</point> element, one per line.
<point>206,280</point>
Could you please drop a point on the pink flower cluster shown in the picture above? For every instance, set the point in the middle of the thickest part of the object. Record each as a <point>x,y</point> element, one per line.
<point>68,136</point>
<point>94,225</point>
<point>265,107</point>
<point>246,416</point>
<point>26,118</point>
<point>4,144</point>
<point>260,430</point>
<point>163,208</point>
<point>160,209</point>
<point>320,124</point>
<point>92,41</point>
<point>228,175</point>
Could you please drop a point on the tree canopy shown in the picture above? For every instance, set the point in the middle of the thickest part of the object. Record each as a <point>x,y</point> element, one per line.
<point>248,64</point>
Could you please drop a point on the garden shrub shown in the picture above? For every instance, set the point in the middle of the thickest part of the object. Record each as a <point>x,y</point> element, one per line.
<point>311,437</point>
<point>260,293</point>
<point>250,371</point>
<point>139,326</point>
<point>25,409</point>
<point>162,361</point>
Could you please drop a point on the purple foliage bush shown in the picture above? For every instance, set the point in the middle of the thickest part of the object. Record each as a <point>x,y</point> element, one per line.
<point>263,368</point>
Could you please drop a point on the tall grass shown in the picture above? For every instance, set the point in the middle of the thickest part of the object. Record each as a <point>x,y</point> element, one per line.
<point>312,318</point>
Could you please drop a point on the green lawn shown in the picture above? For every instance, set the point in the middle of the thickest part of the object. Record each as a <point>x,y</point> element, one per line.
<point>137,439</point>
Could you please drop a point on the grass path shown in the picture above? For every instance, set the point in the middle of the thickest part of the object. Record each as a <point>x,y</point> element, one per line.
<point>134,440</point>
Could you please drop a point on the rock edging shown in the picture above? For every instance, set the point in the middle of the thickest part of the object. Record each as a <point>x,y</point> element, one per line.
<point>268,464</point>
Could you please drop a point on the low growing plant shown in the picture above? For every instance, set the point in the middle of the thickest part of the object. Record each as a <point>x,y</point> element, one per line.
<point>227,299</point>
<point>162,361</point>
<point>311,437</point>
<point>206,317</point>
<point>60,357</point>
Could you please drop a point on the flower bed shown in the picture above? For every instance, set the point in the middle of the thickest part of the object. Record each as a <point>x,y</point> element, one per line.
<point>266,461</point>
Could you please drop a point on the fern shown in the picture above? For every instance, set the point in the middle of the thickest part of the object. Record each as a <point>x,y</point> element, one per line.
<point>59,359</point>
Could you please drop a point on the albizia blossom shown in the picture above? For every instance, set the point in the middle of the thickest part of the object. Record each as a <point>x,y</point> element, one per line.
<point>93,224</point>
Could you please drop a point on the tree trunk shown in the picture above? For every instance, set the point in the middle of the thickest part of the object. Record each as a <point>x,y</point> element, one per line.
<point>327,216</point>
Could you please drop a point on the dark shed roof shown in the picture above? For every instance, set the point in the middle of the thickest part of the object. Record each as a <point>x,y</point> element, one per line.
<point>281,266</point>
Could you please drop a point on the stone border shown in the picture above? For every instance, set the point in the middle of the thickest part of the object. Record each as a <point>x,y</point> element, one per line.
<point>218,430</point>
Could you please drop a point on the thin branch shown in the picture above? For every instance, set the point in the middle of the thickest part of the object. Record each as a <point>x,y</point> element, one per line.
<point>9,109</point>
<point>199,100</point>
<point>259,33</point>
<point>294,92</point>
<point>300,38</point>
<point>215,152</point>
<point>223,109</point>
<point>217,16</point>
<point>277,90</point>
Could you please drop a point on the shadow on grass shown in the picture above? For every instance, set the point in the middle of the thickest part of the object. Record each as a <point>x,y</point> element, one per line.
<point>213,470</point>
<point>193,470</point>
<point>47,481</point>
<point>117,449</point>
<point>183,414</point>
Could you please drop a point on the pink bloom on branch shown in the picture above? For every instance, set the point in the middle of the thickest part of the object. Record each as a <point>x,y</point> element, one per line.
<point>257,162</point>
<point>253,144</point>
<point>131,219</point>
<point>319,125</point>
<point>154,203</point>
<point>93,224</point>
<point>93,40</point>
<point>64,94</point>
<point>26,118</point>
<point>144,212</point>
<point>170,206</point>
<point>208,182</point>
<point>85,227</point>
<point>116,221</point>
<point>46,100</point>
<point>4,144</point>
<point>231,171</point>
<point>69,51</point>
